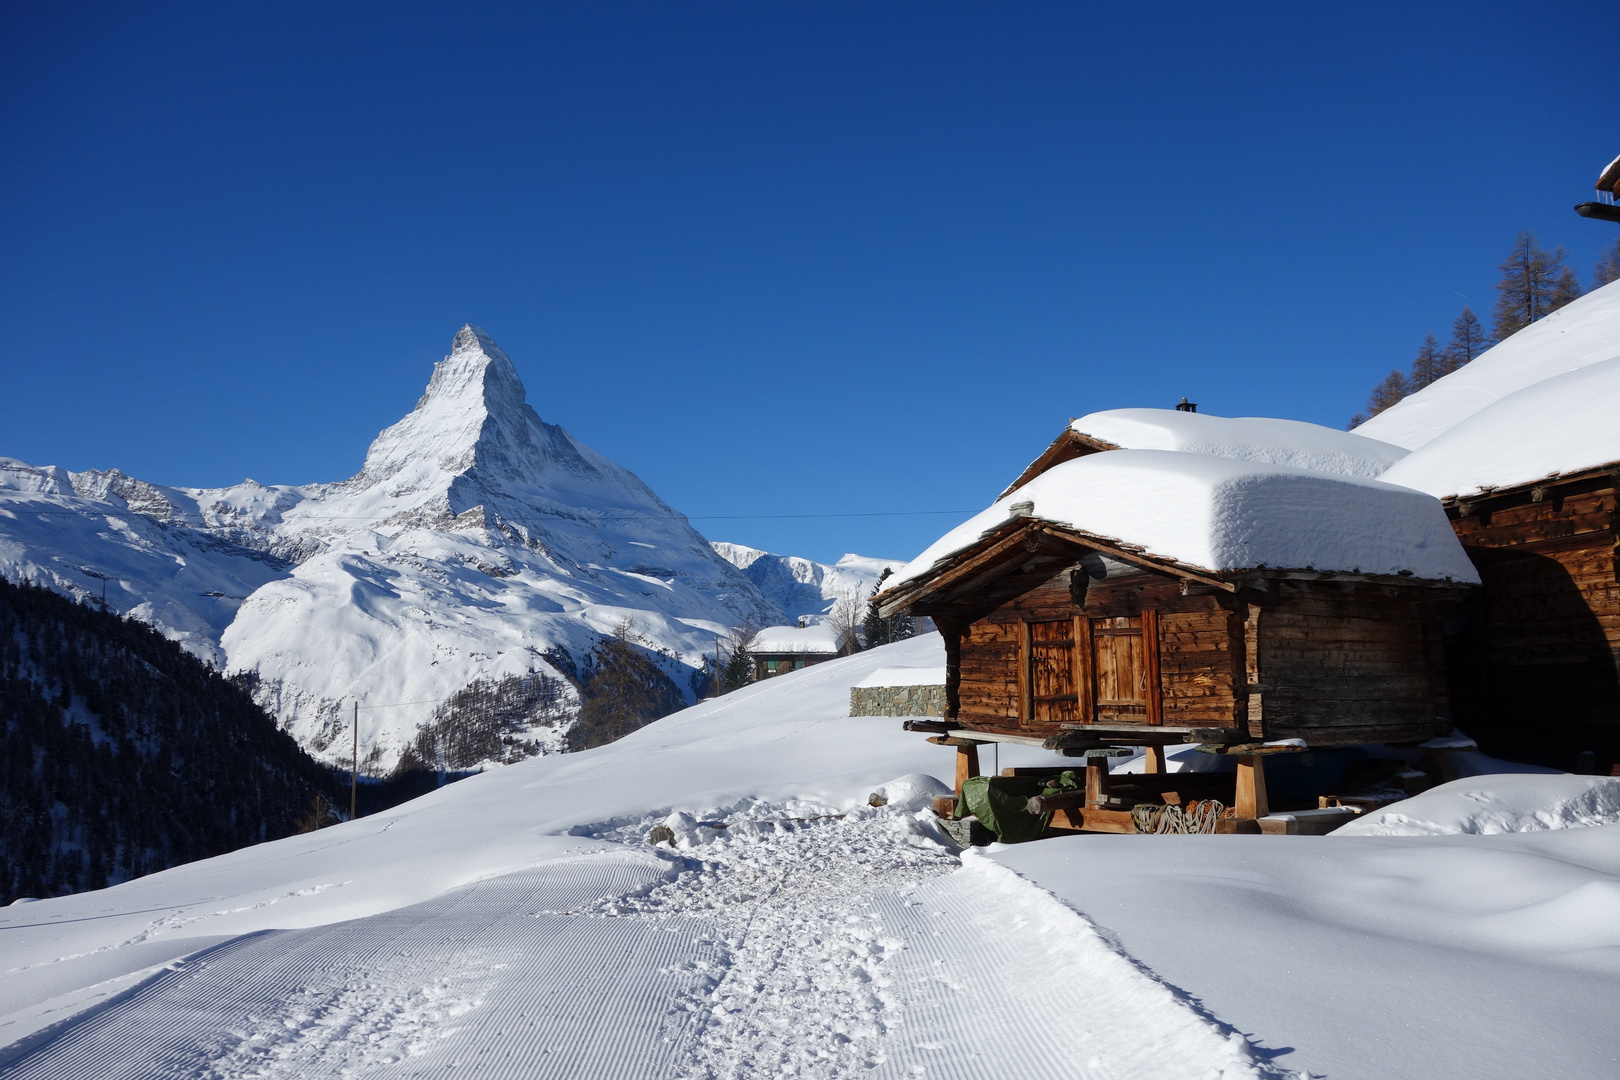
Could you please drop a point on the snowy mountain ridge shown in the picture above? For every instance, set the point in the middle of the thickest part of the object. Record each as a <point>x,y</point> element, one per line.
<point>803,588</point>
<point>475,538</point>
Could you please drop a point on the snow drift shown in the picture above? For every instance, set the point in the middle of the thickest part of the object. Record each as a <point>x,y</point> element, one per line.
<point>1222,514</point>
<point>1583,332</point>
<point>1258,439</point>
<point>1500,803</point>
<point>1562,424</point>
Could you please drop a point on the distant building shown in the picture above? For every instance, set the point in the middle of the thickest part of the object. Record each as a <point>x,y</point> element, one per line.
<point>779,649</point>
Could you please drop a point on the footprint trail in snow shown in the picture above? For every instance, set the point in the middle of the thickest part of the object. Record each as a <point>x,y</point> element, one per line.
<point>790,943</point>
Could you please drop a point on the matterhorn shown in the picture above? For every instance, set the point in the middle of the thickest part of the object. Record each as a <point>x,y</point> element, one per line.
<point>478,547</point>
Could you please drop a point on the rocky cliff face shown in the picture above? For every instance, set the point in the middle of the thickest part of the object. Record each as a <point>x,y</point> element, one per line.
<point>475,539</point>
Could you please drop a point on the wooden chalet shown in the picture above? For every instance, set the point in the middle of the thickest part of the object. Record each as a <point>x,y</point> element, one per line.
<point>1538,674</point>
<point>1081,614</point>
<point>777,650</point>
<point>1528,480</point>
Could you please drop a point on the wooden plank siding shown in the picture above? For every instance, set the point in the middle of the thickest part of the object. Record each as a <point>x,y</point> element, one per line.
<point>1337,662</point>
<point>1538,669</point>
<point>1334,662</point>
<point>1192,667</point>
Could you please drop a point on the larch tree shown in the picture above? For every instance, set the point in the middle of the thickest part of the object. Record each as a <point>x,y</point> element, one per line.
<point>1391,389</point>
<point>1429,365</point>
<point>1608,266</point>
<point>1468,340</point>
<point>1535,283</point>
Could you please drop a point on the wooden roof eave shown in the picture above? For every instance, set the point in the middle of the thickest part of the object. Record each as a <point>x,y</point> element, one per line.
<point>1012,543</point>
<point>1609,179</point>
<point>1609,470</point>
<point>1069,444</point>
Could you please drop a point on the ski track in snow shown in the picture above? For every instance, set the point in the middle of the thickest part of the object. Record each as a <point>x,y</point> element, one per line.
<point>789,944</point>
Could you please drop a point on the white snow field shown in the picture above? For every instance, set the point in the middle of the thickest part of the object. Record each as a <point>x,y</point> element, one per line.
<point>518,924</point>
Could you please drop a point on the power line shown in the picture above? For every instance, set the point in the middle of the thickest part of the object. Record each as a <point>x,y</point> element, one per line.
<point>550,517</point>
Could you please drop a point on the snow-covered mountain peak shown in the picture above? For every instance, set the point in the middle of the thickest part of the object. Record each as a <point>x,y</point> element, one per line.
<point>477,369</point>
<point>473,441</point>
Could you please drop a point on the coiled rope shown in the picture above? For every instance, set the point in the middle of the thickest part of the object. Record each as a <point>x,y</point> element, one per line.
<point>1195,817</point>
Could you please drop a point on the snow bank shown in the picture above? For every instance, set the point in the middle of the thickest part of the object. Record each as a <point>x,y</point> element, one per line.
<point>1581,333</point>
<point>1371,957</point>
<point>795,639</point>
<point>905,676</point>
<point>1223,514</point>
<point>1562,424</point>
<point>1502,803</point>
<point>1244,438</point>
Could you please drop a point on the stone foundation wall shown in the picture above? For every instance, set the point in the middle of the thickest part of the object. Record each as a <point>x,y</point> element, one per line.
<point>897,701</point>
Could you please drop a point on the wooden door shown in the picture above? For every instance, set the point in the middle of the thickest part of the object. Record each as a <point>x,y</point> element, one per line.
<point>1053,699</point>
<point>1125,668</point>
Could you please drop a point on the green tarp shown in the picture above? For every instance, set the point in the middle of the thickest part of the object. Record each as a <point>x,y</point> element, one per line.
<point>999,803</point>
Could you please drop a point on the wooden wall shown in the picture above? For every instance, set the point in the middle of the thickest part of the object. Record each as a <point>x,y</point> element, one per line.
<point>1352,663</point>
<point>1333,662</point>
<point>1538,675</point>
<point>1200,674</point>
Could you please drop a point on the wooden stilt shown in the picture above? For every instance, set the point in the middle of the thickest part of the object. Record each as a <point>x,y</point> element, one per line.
<point>1153,760</point>
<point>1251,787</point>
<point>967,766</point>
<point>1096,782</point>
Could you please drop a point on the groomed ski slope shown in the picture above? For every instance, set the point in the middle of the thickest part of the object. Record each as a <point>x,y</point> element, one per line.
<point>517,924</point>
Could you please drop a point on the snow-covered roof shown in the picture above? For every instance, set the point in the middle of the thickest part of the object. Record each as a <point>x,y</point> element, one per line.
<point>1579,334</point>
<point>1220,514</point>
<point>905,676</point>
<point>795,639</point>
<point>1245,438</point>
<point>1565,424</point>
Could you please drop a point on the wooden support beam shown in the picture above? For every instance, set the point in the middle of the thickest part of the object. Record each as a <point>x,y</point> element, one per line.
<point>1096,782</point>
<point>1026,703</point>
<point>1256,716</point>
<point>1153,759</point>
<point>1089,820</point>
<point>1151,691</point>
<point>967,766</point>
<point>1251,787</point>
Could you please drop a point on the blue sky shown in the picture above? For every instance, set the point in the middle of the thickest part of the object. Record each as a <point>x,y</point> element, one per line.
<point>782,259</point>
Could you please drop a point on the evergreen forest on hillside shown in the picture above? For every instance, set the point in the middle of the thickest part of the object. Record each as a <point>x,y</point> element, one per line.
<point>1535,283</point>
<point>123,754</point>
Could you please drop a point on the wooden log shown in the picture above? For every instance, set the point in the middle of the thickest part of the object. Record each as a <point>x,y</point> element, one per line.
<point>1153,760</point>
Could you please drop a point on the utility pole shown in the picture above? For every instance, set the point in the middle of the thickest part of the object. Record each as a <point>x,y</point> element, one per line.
<point>354,762</point>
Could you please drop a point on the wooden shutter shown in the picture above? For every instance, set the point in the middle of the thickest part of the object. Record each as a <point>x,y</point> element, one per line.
<point>1125,666</point>
<point>1052,694</point>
